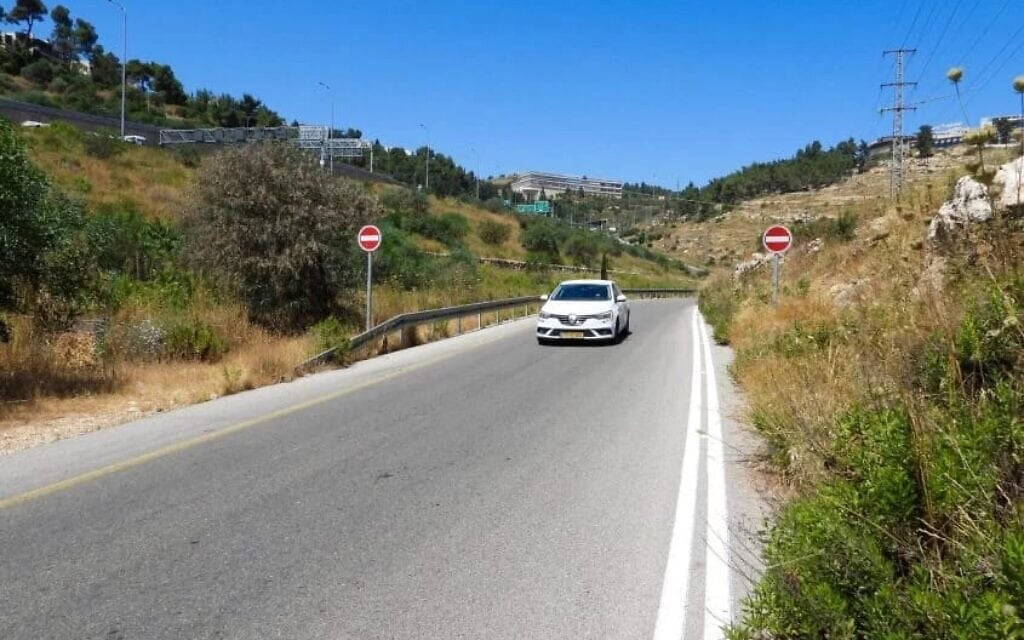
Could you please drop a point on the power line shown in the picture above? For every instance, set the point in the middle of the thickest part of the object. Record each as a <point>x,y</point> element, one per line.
<point>913,23</point>
<point>980,83</point>
<point>942,35</point>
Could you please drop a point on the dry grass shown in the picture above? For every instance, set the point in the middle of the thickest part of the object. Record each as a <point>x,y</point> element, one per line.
<point>510,249</point>
<point>139,389</point>
<point>150,177</point>
<point>851,319</point>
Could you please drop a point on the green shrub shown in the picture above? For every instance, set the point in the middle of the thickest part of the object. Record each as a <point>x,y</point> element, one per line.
<point>719,302</point>
<point>59,136</point>
<point>103,146</point>
<point>448,228</point>
<point>542,238</point>
<point>39,72</point>
<point>188,155</point>
<point>330,333</point>
<point>495,205</point>
<point>842,228</point>
<point>286,248</point>
<point>194,340</point>
<point>124,241</point>
<point>400,260</point>
<point>494,233</point>
<point>46,266</point>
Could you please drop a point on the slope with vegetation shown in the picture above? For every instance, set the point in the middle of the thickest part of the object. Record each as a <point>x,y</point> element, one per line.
<point>888,382</point>
<point>71,70</point>
<point>135,279</point>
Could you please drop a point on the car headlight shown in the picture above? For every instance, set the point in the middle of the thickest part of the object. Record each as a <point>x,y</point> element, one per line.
<point>543,315</point>
<point>607,315</point>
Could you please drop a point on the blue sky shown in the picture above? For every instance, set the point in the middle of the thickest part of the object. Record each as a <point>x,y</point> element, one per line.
<point>643,91</point>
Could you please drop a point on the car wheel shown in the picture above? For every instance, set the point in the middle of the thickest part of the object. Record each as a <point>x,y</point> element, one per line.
<point>542,342</point>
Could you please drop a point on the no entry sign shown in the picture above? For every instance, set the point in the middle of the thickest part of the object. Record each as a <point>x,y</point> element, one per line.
<point>777,239</point>
<point>369,238</point>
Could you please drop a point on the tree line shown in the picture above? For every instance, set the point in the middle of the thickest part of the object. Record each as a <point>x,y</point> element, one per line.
<point>73,71</point>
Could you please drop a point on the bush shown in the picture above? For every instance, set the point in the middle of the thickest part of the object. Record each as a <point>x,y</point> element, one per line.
<point>840,229</point>
<point>39,72</point>
<point>542,238</point>
<point>400,260</point>
<point>448,228</point>
<point>403,203</point>
<point>330,333</point>
<point>125,242</point>
<point>288,247</point>
<point>495,205</point>
<point>494,233</point>
<point>719,303</point>
<point>193,340</point>
<point>103,146</point>
<point>43,246</point>
<point>188,155</point>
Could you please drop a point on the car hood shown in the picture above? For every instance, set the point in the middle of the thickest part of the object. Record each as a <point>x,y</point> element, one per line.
<point>579,307</point>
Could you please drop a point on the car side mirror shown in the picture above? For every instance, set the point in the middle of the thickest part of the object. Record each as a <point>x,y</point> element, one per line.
<point>620,298</point>
<point>544,298</point>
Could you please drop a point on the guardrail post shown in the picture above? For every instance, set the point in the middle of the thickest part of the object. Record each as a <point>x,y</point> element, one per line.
<point>458,326</point>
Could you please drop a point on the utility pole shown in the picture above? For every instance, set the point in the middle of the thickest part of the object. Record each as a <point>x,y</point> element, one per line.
<point>897,109</point>
<point>124,60</point>
<point>426,179</point>
<point>476,172</point>
<point>330,131</point>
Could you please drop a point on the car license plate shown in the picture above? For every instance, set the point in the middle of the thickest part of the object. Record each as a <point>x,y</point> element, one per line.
<point>572,334</point>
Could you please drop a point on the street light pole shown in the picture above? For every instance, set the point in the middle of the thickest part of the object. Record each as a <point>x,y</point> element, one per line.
<point>477,172</point>
<point>330,132</point>
<point>426,180</point>
<point>124,59</point>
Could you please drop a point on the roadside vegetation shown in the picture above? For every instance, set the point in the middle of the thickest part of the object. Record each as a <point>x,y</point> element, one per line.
<point>135,279</point>
<point>888,383</point>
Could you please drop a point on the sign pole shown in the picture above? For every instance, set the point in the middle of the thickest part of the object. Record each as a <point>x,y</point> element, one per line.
<point>775,278</point>
<point>369,239</point>
<point>777,240</point>
<point>369,290</point>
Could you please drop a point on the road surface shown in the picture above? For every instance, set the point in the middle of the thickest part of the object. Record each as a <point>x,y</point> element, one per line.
<point>480,487</point>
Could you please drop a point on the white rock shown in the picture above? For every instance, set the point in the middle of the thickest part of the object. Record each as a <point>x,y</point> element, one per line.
<point>968,204</point>
<point>755,262</point>
<point>1009,176</point>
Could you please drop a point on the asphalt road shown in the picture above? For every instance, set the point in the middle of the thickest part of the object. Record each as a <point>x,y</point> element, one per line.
<point>481,487</point>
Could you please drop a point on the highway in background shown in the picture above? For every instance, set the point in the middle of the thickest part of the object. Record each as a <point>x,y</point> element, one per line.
<point>480,487</point>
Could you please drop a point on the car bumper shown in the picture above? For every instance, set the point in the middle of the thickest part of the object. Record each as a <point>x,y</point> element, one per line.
<point>589,330</point>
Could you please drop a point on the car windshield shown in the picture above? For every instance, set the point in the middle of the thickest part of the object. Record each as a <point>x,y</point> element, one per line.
<point>581,292</point>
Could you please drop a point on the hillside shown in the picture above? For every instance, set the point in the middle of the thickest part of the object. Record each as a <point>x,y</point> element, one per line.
<point>887,383</point>
<point>148,332</point>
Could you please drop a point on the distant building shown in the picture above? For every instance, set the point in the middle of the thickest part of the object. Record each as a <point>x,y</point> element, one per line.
<point>948,135</point>
<point>553,185</point>
<point>1015,120</point>
<point>882,147</point>
<point>11,39</point>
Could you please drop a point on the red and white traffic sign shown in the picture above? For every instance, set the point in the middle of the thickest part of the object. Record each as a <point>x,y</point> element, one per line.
<point>777,239</point>
<point>369,238</point>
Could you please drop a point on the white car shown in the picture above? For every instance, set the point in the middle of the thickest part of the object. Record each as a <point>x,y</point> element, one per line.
<point>583,310</point>
<point>34,124</point>
<point>135,139</point>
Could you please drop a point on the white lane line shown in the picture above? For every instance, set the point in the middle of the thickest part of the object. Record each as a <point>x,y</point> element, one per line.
<point>717,597</point>
<point>672,608</point>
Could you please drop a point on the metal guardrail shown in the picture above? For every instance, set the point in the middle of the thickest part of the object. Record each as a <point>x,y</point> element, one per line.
<point>458,312</point>
<point>648,294</point>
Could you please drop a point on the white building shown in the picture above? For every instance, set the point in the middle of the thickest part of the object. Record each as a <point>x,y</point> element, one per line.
<point>947,135</point>
<point>532,183</point>
<point>990,121</point>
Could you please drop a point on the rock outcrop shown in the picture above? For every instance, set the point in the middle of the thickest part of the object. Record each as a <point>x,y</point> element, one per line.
<point>1009,177</point>
<point>969,204</point>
